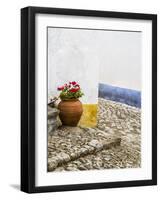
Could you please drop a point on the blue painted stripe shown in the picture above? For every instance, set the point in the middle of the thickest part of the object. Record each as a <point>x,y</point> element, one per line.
<point>122,95</point>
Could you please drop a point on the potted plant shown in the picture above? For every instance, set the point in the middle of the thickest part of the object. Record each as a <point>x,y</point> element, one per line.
<point>70,107</point>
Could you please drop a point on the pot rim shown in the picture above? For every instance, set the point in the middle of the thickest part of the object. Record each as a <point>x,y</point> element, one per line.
<point>70,99</point>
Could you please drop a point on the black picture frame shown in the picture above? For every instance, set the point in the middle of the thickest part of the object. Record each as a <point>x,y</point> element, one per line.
<point>28,98</point>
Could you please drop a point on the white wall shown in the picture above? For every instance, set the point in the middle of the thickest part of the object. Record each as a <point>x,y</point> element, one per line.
<point>92,56</point>
<point>10,100</point>
<point>72,57</point>
<point>120,59</point>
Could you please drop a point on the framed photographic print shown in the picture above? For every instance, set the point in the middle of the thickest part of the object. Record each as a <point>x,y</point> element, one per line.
<point>88,99</point>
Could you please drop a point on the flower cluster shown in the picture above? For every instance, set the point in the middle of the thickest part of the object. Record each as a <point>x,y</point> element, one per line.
<point>71,90</point>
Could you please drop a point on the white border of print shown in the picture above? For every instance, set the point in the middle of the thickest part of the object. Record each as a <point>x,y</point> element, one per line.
<point>44,178</point>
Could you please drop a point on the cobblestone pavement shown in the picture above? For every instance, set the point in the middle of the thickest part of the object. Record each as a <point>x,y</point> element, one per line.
<point>115,143</point>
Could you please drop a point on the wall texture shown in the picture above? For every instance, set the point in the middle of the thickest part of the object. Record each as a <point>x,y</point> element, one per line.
<point>72,56</point>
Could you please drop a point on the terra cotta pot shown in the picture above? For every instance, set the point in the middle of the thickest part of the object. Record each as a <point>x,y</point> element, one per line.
<point>70,112</point>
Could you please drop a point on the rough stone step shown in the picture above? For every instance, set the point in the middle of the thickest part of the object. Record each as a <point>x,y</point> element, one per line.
<point>52,112</point>
<point>92,147</point>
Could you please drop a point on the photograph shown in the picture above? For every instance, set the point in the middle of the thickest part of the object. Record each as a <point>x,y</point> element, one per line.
<point>89,99</point>
<point>94,79</point>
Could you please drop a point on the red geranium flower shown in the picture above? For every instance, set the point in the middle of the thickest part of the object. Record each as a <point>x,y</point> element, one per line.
<point>60,88</point>
<point>66,85</point>
<point>74,89</point>
<point>74,83</point>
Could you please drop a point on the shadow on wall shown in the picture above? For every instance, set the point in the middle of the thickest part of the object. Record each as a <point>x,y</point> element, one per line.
<point>122,95</point>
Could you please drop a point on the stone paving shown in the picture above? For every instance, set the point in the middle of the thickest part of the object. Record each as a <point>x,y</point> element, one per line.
<point>114,143</point>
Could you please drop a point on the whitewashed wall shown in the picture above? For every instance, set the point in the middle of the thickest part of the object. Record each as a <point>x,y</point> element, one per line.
<point>72,56</point>
<point>120,59</point>
<point>92,56</point>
